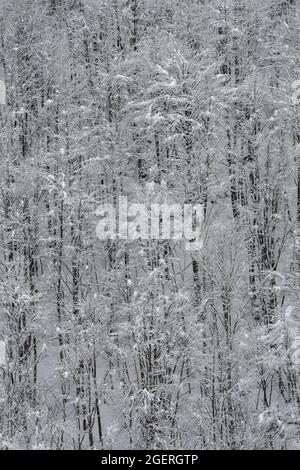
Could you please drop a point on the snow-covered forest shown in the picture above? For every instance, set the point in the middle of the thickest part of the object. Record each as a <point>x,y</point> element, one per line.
<point>121,344</point>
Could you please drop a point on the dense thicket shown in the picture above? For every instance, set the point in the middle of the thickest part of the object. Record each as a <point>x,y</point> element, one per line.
<point>119,344</point>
